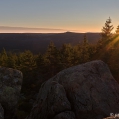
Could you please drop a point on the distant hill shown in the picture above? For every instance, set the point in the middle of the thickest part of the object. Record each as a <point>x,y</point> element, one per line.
<point>38,42</point>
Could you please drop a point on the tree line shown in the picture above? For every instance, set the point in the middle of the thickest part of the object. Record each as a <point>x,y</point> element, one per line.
<point>51,62</point>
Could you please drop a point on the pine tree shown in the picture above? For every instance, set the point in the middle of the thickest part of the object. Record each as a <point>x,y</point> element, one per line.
<point>117,30</point>
<point>3,58</point>
<point>67,54</point>
<point>107,29</point>
<point>12,60</point>
<point>39,62</point>
<point>26,61</point>
<point>52,59</point>
<point>106,35</point>
<point>85,50</point>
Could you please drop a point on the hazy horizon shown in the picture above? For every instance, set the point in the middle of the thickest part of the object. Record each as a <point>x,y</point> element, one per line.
<point>9,29</point>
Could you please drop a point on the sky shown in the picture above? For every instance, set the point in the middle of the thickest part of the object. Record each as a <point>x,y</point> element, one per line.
<point>57,15</point>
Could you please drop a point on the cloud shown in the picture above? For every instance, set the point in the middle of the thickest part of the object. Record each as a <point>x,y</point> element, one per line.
<point>8,29</point>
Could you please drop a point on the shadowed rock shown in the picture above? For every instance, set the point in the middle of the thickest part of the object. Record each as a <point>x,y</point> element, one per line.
<point>65,115</point>
<point>1,112</point>
<point>10,86</point>
<point>111,118</point>
<point>86,91</point>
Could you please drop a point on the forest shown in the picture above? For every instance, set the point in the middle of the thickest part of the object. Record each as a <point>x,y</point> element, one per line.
<point>37,68</point>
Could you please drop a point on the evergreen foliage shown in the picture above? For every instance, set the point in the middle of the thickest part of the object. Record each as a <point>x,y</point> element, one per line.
<point>26,61</point>
<point>3,58</point>
<point>107,29</point>
<point>117,30</point>
<point>52,59</point>
<point>106,35</point>
<point>85,50</point>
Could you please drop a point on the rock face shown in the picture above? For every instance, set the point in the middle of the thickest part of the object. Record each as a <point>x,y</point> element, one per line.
<point>86,91</point>
<point>111,118</point>
<point>10,86</point>
<point>1,112</point>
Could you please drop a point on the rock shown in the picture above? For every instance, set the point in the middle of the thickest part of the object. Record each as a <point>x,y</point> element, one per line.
<point>53,100</point>
<point>1,112</point>
<point>10,86</point>
<point>86,91</point>
<point>65,115</point>
<point>111,118</point>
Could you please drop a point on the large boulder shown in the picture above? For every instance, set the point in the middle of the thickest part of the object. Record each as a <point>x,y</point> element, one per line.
<point>86,91</point>
<point>111,118</point>
<point>1,112</point>
<point>10,86</point>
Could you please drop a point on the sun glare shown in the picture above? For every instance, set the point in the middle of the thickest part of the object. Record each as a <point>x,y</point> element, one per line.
<point>111,44</point>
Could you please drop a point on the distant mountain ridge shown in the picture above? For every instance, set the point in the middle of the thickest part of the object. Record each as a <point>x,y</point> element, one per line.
<point>38,42</point>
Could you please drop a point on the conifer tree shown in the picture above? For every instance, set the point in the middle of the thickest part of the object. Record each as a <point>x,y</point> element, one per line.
<point>107,29</point>
<point>85,50</point>
<point>67,53</point>
<point>40,61</point>
<point>26,61</point>
<point>52,59</point>
<point>117,30</point>
<point>106,35</point>
<point>12,60</point>
<point>3,58</point>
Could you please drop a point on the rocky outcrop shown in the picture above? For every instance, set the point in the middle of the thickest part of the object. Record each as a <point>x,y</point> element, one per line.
<point>57,102</point>
<point>111,118</point>
<point>86,91</point>
<point>10,86</point>
<point>1,112</point>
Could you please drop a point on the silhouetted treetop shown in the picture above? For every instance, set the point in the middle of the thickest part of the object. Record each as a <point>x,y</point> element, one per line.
<point>107,29</point>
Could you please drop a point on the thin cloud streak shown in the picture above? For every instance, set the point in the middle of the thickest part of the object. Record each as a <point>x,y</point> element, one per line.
<point>9,29</point>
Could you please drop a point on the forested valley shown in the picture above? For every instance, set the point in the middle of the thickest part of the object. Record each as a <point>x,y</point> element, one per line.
<point>37,68</point>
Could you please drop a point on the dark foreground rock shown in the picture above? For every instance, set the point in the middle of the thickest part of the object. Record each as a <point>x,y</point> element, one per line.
<point>1,112</point>
<point>111,118</point>
<point>10,86</point>
<point>86,91</point>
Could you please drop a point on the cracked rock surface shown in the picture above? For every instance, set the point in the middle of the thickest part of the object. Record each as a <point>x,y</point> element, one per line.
<point>86,91</point>
<point>10,86</point>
